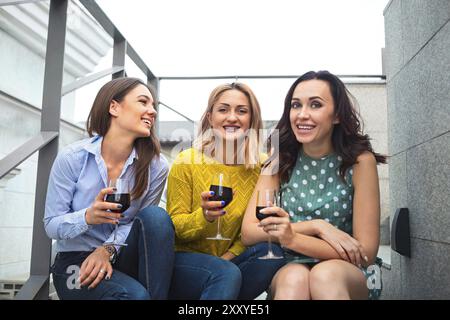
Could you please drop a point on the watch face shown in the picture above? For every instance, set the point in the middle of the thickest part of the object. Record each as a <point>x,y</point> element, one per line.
<point>111,250</point>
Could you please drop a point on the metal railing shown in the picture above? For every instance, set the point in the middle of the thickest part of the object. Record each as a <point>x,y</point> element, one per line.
<point>46,141</point>
<point>342,76</point>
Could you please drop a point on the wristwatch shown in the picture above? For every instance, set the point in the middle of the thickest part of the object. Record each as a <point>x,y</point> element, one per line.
<point>112,252</point>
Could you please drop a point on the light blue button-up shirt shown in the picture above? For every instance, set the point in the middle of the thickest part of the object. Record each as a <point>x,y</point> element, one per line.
<point>78,174</point>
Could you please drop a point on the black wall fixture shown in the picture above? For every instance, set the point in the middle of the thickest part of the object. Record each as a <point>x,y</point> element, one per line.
<point>400,235</point>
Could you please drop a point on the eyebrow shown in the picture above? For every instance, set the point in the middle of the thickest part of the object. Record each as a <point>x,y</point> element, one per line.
<point>227,105</point>
<point>311,98</point>
<point>145,96</point>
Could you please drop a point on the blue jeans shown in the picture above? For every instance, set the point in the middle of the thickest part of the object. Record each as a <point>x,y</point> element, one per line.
<point>206,277</point>
<point>143,269</point>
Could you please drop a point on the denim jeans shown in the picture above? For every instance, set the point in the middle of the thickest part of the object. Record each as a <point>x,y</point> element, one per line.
<point>206,277</point>
<point>143,269</point>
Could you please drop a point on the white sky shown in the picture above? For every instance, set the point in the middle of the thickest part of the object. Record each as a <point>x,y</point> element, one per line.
<point>244,37</point>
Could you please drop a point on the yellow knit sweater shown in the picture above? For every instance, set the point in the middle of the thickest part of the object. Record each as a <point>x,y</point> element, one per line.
<point>190,175</point>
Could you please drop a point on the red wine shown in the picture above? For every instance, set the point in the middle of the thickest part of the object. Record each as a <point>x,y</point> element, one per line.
<point>262,216</point>
<point>122,198</point>
<point>221,194</point>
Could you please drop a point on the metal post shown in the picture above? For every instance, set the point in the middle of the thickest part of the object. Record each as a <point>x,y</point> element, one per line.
<point>37,286</point>
<point>119,53</point>
<point>154,82</point>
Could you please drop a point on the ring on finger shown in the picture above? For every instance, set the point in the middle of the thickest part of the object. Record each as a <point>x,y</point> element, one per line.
<point>102,271</point>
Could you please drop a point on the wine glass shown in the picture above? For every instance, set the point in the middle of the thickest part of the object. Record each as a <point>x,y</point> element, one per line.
<point>121,196</point>
<point>222,192</point>
<point>264,199</point>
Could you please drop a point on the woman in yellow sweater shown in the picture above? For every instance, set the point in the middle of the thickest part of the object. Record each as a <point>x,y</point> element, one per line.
<point>228,143</point>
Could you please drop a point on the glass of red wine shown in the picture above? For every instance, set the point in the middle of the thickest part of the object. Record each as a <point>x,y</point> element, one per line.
<point>121,196</point>
<point>264,199</point>
<point>221,186</point>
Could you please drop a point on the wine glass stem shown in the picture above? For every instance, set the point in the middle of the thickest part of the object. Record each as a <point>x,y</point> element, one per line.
<point>218,225</point>
<point>269,244</point>
<point>115,232</point>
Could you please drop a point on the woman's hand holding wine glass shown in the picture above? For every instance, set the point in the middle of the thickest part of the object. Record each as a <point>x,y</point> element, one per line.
<point>220,193</point>
<point>121,198</point>
<point>279,218</point>
<point>266,208</point>
<point>211,209</point>
<point>102,211</point>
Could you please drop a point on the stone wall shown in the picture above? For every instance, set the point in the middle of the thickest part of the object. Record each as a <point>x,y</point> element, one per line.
<point>418,92</point>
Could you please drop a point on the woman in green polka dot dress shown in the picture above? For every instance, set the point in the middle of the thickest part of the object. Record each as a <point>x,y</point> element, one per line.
<point>329,214</point>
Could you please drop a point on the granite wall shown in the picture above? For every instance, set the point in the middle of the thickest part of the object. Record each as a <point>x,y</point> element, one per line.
<point>417,61</point>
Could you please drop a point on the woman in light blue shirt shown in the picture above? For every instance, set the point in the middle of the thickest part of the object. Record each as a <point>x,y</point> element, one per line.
<point>122,145</point>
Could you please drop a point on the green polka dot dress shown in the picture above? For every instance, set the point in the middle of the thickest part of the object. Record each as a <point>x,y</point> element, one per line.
<point>315,190</point>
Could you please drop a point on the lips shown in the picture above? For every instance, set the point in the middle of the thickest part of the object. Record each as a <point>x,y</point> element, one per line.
<point>147,121</point>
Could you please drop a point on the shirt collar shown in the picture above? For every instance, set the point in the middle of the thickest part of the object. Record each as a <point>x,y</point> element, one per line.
<point>94,146</point>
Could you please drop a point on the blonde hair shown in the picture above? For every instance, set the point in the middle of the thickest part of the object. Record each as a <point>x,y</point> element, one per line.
<point>205,141</point>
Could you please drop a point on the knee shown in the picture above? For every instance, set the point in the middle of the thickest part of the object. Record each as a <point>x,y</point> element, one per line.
<point>295,279</point>
<point>135,293</point>
<point>157,220</point>
<point>231,271</point>
<point>324,285</point>
<point>322,276</point>
<point>228,271</point>
<point>291,285</point>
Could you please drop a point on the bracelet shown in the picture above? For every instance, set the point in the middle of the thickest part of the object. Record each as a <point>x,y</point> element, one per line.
<point>112,252</point>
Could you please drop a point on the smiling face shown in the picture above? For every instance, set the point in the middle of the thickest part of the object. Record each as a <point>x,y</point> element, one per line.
<point>312,114</point>
<point>135,113</point>
<point>230,116</point>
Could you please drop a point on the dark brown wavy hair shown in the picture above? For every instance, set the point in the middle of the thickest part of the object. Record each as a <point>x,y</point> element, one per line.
<point>99,121</point>
<point>347,138</point>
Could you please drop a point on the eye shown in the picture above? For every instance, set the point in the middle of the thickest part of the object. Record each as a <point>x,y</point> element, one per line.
<point>316,104</point>
<point>221,109</point>
<point>243,110</point>
<point>144,102</point>
<point>295,105</point>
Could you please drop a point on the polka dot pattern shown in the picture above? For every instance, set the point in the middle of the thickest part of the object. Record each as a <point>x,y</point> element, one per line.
<point>317,191</point>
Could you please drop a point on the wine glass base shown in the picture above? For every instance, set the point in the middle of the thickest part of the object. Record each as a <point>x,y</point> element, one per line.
<point>270,255</point>
<point>218,237</point>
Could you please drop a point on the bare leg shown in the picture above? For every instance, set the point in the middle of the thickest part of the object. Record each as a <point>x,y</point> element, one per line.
<point>337,280</point>
<point>291,283</point>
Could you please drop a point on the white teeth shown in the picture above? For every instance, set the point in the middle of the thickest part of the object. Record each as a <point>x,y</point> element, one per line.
<point>230,129</point>
<point>147,122</point>
<point>305,127</point>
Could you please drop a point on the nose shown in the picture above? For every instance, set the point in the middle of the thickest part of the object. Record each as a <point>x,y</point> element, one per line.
<point>232,116</point>
<point>152,111</point>
<point>303,113</point>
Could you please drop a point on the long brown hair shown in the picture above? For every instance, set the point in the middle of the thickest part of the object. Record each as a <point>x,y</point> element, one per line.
<point>347,139</point>
<point>99,121</point>
<point>205,141</point>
